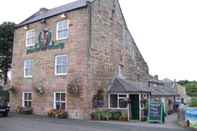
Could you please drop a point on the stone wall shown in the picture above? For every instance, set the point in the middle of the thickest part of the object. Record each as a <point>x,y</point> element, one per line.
<point>44,61</point>
<point>99,41</point>
<point>111,44</point>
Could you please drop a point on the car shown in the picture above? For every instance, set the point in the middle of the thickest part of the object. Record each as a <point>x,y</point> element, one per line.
<point>4,108</point>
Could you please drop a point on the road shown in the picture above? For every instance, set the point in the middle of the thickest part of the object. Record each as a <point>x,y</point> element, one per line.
<point>36,123</point>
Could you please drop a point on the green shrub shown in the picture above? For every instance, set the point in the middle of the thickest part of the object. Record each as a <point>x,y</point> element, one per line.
<point>193,102</point>
<point>124,116</point>
<point>109,115</point>
<point>116,115</point>
<point>191,89</point>
<point>98,115</point>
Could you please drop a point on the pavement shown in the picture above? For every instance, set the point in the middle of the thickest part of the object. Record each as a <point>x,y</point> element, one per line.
<point>170,123</point>
<point>17,122</point>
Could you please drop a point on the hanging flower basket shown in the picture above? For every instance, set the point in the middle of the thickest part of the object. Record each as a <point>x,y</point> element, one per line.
<point>39,89</point>
<point>12,89</point>
<point>74,88</point>
<point>98,99</point>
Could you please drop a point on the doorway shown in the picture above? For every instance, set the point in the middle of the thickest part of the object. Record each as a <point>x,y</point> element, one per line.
<point>134,106</point>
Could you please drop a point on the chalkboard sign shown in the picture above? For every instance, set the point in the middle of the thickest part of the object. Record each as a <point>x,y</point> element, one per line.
<point>155,111</point>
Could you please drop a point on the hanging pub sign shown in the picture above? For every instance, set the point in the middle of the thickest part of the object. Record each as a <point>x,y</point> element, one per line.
<point>155,112</point>
<point>45,42</point>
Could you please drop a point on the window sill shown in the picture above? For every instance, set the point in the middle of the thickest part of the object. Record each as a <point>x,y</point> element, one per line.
<point>28,77</point>
<point>118,108</point>
<point>61,39</point>
<point>30,47</point>
<point>65,74</point>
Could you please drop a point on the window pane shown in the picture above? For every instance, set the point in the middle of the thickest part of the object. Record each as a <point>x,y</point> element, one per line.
<point>61,69</point>
<point>57,96</point>
<point>29,96</point>
<point>113,101</point>
<point>122,103</point>
<point>61,64</point>
<point>27,103</point>
<point>30,38</point>
<point>63,97</point>
<point>28,67</point>
<point>25,96</point>
<point>62,29</point>
<point>58,105</point>
<point>63,106</point>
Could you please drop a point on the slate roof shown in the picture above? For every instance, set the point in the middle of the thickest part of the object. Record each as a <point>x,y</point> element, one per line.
<point>161,88</point>
<point>156,88</point>
<point>119,85</point>
<point>54,11</point>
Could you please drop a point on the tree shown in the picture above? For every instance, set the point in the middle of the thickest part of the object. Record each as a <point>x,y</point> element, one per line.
<point>6,45</point>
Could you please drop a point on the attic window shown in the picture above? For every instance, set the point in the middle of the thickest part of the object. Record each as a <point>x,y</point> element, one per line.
<point>62,30</point>
<point>30,38</point>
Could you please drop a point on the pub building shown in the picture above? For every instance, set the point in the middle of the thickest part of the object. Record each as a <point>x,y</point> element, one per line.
<point>63,57</point>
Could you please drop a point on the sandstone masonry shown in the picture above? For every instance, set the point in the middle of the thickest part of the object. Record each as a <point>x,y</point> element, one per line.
<point>99,41</point>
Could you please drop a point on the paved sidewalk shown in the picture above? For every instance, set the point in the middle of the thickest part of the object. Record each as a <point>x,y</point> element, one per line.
<point>169,124</point>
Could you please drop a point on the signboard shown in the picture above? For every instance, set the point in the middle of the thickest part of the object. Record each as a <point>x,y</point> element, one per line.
<point>191,115</point>
<point>45,42</point>
<point>155,111</point>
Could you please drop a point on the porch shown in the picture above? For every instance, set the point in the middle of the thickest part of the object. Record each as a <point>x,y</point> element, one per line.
<point>129,97</point>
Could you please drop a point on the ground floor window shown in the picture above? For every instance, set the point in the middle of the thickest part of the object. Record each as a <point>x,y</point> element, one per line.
<point>59,100</point>
<point>118,100</point>
<point>27,99</point>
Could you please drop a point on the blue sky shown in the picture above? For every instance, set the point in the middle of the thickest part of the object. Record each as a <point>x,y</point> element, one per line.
<point>164,30</point>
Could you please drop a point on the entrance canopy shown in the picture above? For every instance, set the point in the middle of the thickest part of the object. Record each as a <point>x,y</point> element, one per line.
<point>119,85</point>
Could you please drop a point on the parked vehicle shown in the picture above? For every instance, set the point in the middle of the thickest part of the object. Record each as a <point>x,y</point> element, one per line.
<point>4,108</point>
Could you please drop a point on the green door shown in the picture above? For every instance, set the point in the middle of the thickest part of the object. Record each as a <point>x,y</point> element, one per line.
<point>134,107</point>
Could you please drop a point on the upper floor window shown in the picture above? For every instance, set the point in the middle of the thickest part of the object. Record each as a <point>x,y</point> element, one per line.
<point>62,30</point>
<point>61,65</point>
<point>30,38</point>
<point>28,68</point>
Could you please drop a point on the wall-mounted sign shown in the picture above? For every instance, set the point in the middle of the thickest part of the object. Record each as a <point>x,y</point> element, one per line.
<point>45,42</point>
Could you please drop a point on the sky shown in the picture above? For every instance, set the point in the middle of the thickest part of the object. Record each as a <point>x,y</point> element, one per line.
<point>164,30</point>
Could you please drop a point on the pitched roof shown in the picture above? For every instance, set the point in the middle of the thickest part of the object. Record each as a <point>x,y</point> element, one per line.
<point>156,88</point>
<point>54,11</point>
<point>162,88</point>
<point>119,85</point>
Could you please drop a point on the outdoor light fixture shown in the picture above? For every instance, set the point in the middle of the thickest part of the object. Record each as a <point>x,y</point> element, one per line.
<point>26,27</point>
<point>63,15</point>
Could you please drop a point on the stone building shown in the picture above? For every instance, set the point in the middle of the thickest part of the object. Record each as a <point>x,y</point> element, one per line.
<point>63,56</point>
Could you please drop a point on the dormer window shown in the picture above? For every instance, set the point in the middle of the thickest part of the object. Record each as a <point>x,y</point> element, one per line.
<point>62,30</point>
<point>30,38</point>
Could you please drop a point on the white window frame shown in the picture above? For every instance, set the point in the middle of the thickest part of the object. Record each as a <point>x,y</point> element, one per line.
<point>27,76</point>
<point>23,98</point>
<point>33,37</point>
<point>65,73</point>
<point>54,99</point>
<point>57,30</point>
<point>118,98</point>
